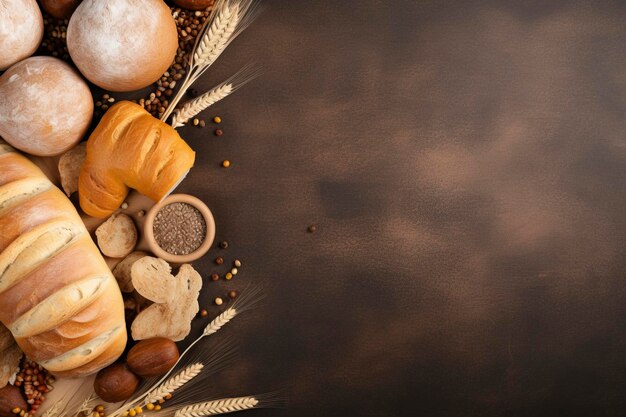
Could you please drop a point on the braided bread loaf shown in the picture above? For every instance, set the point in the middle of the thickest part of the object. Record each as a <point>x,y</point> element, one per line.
<point>57,295</point>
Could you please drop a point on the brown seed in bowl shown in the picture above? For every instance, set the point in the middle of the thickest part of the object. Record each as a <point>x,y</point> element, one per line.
<point>152,357</point>
<point>115,383</point>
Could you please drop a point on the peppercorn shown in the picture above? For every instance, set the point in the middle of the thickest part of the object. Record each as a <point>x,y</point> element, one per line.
<point>218,132</point>
<point>232,294</point>
<point>237,263</point>
<point>228,276</point>
<point>217,119</point>
<point>219,301</point>
<point>312,228</point>
<point>219,260</point>
<point>204,313</point>
<point>226,163</point>
<point>215,277</point>
<point>223,244</point>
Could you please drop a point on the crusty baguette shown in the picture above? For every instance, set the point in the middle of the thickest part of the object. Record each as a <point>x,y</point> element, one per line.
<point>130,149</point>
<point>57,295</point>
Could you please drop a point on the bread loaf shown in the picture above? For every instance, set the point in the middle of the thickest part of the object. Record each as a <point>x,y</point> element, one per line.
<point>57,295</point>
<point>130,148</point>
<point>122,45</point>
<point>45,106</point>
<point>21,30</point>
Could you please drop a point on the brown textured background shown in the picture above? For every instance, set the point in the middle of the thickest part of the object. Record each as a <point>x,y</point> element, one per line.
<point>465,163</point>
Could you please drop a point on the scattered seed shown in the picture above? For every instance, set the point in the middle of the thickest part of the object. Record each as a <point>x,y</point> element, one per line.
<point>124,205</point>
<point>219,260</point>
<point>204,313</point>
<point>157,408</point>
<point>223,244</point>
<point>234,271</point>
<point>219,301</point>
<point>217,119</point>
<point>141,213</point>
<point>218,132</point>
<point>215,277</point>
<point>196,122</point>
<point>232,294</point>
<point>237,263</point>
<point>228,276</point>
<point>312,228</point>
<point>150,406</point>
<point>225,163</point>
<point>202,123</point>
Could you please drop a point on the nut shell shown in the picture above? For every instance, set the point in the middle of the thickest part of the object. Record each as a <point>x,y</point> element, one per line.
<point>116,383</point>
<point>11,397</point>
<point>152,357</point>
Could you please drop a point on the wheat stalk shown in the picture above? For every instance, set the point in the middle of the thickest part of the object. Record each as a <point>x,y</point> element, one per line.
<point>192,108</point>
<point>228,19</point>
<point>54,410</point>
<point>226,405</point>
<point>174,383</point>
<point>217,37</point>
<point>85,407</point>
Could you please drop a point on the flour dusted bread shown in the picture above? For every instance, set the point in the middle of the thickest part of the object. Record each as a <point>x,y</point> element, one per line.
<point>10,355</point>
<point>45,106</point>
<point>21,30</point>
<point>122,45</point>
<point>130,149</point>
<point>57,295</point>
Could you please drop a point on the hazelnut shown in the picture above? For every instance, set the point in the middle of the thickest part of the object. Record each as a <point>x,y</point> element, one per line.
<point>194,4</point>
<point>61,9</point>
<point>116,383</point>
<point>10,398</point>
<point>152,357</point>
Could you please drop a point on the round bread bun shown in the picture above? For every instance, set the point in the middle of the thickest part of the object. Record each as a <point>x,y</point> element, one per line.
<point>122,45</point>
<point>46,106</point>
<point>21,30</point>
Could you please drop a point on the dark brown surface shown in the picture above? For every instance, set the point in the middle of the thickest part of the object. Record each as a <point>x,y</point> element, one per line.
<point>464,163</point>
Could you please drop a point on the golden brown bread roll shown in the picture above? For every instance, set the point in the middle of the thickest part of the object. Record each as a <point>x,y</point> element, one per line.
<point>57,295</point>
<point>130,148</point>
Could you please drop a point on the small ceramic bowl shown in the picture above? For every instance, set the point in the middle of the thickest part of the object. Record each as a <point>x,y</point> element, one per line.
<point>208,219</point>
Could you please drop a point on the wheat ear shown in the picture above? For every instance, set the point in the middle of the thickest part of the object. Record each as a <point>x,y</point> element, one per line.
<point>85,405</point>
<point>192,108</point>
<point>217,37</point>
<point>228,19</point>
<point>226,405</point>
<point>174,383</point>
<point>54,410</point>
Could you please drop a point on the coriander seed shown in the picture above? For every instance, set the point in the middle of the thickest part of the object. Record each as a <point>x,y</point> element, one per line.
<point>219,301</point>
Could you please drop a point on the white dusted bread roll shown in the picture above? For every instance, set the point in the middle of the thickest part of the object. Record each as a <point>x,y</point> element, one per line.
<point>21,30</point>
<point>45,106</point>
<point>57,295</point>
<point>122,45</point>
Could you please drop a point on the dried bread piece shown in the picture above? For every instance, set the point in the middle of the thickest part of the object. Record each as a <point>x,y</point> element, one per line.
<point>175,299</point>
<point>69,167</point>
<point>10,355</point>
<point>122,271</point>
<point>117,237</point>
